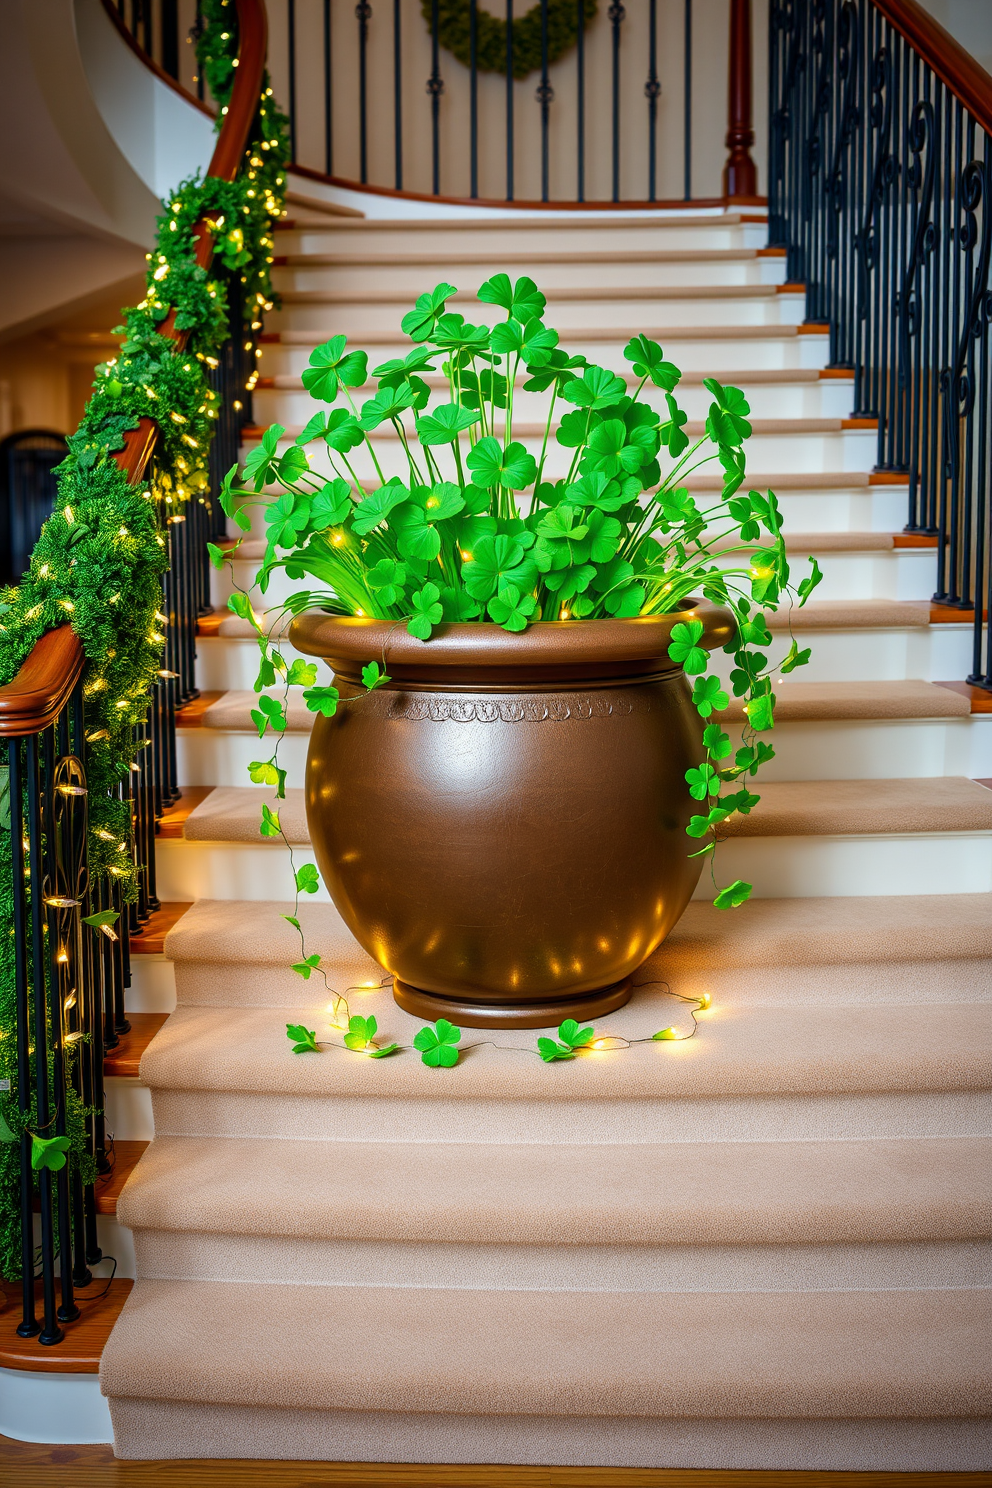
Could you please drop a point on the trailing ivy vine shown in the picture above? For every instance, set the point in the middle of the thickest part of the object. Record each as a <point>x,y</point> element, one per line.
<point>99,560</point>
<point>454,34</point>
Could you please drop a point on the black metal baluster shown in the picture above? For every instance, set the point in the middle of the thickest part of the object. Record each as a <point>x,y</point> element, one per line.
<point>169,24</point>
<point>687,102</point>
<point>328,95</point>
<point>397,96</point>
<point>652,90</point>
<point>545,96</point>
<point>473,97</point>
<point>617,15</point>
<point>197,32</point>
<point>509,100</point>
<point>28,1325</point>
<point>291,45</point>
<point>363,14</point>
<point>435,87</point>
<point>51,1332</point>
<point>580,91</point>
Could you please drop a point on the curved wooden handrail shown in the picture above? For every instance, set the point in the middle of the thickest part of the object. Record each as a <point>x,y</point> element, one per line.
<point>43,686</point>
<point>44,683</point>
<point>957,69</point>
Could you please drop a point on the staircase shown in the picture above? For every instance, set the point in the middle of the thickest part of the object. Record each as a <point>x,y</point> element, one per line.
<point>766,1248</point>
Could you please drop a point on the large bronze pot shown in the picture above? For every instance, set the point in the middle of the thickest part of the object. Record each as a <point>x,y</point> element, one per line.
<point>503,825</point>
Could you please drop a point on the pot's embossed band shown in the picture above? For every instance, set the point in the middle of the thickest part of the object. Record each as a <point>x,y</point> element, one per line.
<point>528,708</point>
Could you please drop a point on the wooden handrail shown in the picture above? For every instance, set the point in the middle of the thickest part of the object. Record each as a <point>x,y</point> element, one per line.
<point>957,69</point>
<point>43,686</point>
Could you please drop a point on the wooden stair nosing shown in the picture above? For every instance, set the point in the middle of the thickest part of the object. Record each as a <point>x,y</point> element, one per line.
<point>123,1061</point>
<point>80,1351</point>
<point>127,1155</point>
<point>150,939</point>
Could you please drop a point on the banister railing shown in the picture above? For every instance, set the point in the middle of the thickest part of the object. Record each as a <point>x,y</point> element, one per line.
<point>70,925</point>
<point>880,189</point>
<point>561,102</point>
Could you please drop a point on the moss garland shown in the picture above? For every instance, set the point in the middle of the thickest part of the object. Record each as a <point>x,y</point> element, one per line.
<point>454,34</point>
<point>99,560</point>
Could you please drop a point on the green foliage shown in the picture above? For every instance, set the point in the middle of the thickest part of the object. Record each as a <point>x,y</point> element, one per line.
<point>437,1045</point>
<point>304,1040</point>
<point>570,1038</point>
<point>49,1152</point>
<point>454,33</point>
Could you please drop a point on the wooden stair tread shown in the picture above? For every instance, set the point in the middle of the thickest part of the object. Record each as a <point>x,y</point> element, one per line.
<point>127,1154</point>
<point>85,1339</point>
<point>190,715</point>
<point>171,823</point>
<point>150,939</point>
<point>979,697</point>
<point>123,1061</point>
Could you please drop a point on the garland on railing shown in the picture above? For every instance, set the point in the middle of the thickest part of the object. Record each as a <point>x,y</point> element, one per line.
<point>454,31</point>
<point>99,561</point>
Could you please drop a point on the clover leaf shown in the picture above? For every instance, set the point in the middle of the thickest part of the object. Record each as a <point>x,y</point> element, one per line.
<point>496,562</point>
<point>386,579</point>
<point>374,509</point>
<point>550,1051</point>
<point>716,742</point>
<point>306,968</point>
<point>522,301</point>
<point>260,462</point>
<point>270,825</point>
<point>302,673</point>
<point>387,404</point>
<point>596,388</point>
<point>49,1152</point>
<point>427,612</point>
<point>437,1044</point>
<point>330,368</point>
<point>267,772</point>
<point>795,658</point>
<point>684,646</point>
<point>361,1032</point>
<point>703,781</point>
<point>511,609</point>
<point>458,604</point>
<point>373,677</point>
<point>733,895</point>
<point>491,465</point>
<point>807,585</point>
<point>286,518</point>
<point>445,424</point>
<point>726,423</point>
<point>307,879</point>
<point>331,505</point>
<point>709,696</point>
<point>322,700</point>
<point>343,431</point>
<point>419,322</point>
<point>269,713</point>
<point>648,360</point>
<point>304,1039</point>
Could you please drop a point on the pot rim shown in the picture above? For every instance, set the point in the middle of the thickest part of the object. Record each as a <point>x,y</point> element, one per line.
<point>482,644</point>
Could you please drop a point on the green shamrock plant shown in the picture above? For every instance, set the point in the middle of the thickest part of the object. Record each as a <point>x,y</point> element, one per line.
<point>304,1040</point>
<point>437,1045</point>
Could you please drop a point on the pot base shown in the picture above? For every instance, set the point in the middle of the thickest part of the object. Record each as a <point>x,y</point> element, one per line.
<point>546,1014</point>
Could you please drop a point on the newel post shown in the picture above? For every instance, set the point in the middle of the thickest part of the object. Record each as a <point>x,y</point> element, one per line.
<point>740,174</point>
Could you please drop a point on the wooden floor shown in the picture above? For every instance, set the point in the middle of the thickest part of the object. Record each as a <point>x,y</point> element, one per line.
<point>24,1465</point>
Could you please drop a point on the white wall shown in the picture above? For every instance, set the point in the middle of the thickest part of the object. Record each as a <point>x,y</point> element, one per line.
<point>969,22</point>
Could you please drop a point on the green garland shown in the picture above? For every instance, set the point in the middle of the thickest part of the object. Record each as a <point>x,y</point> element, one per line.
<point>99,561</point>
<point>454,34</point>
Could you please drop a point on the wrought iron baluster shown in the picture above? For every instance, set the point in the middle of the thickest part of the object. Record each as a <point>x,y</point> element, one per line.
<point>509,100</point>
<point>435,87</point>
<point>19,830</point>
<point>652,91</point>
<point>617,15</point>
<point>545,97</point>
<point>580,90</point>
<point>473,52</point>
<point>291,37</point>
<point>687,101</point>
<point>397,96</point>
<point>328,94</point>
<point>363,14</point>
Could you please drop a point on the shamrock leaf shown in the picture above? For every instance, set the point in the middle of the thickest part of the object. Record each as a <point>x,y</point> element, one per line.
<point>557,368</point>
<point>314,428</point>
<point>307,879</point>
<point>361,1032</point>
<point>270,711</point>
<point>760,711</point>
<point>511,609</point>
<point>386,580</point>
<point>672,433</point>
<point>726,423</point>
<point>285,519</point>
<point>437,1044</point>
<point>684,646</point>
<point>373,510</point>
<point>733,895</point>
<point>427,612</point>
<point>523,301</point>
<point>265,772</point>
<point>373,677</point>
<point>496,562</point>
<point>453,334</point>
<point>302,673</point>
<point>404,369</point>
<point>575,1037</point>
<point>330,368</point>
<point>703,781</point>
<point>807,585</point>
<point>343,431</point>
<point>331,505</point>
<point>491,465</point>
<point>458,604</point>
<point>795,658</point>
<point>260,461</point>
<point>304,1039</point>
<point>388,403</point>
<point>550,1051</point>
<point>716,742</point>
<point>308,967</point>
<point>384,1052</point>
<point>609,451</point>
<point>218,557</point>
<point>648,360</point>
<point>270,825</point>
<point>709,696</point>
<point>573,428</point>
<point>445,424</point>
<point>322,700</point>
<point>596,388</point>
<point>48,1152</point>
<point>419,322</point>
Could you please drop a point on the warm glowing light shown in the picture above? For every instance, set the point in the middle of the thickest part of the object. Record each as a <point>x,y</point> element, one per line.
<point>705,1001</point>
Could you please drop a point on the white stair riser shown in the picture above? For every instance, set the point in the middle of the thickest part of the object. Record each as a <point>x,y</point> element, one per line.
<point>175,1255</point>
<point>843,750</point>
<point>763,310</point>
<point>933,653</point>
<point>413,279</point>
<point>153,984</point>
<point>569,1123</point>
<point>290,404</point>
<point>778,867</point>
<point>704,354</point>
<point>129,1109</point>
<point>897,573</point>
<point>43,1407</point>
<point>499,235</point>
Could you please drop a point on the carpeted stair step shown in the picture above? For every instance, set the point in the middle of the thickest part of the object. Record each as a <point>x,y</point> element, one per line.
<point>186,1353</point>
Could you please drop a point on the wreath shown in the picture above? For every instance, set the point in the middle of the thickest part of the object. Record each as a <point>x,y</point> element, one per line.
<point>454,33</point>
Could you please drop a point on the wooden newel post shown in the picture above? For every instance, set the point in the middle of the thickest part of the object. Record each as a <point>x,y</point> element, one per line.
<point>740,174</point>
